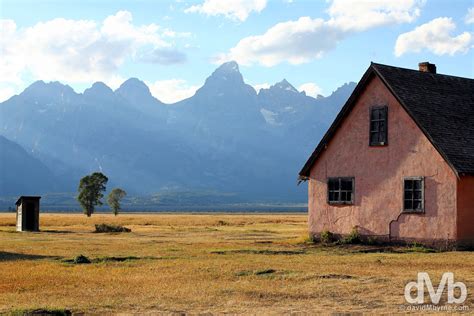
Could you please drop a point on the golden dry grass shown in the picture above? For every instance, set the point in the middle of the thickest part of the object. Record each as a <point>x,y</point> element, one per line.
<point>198,263</point>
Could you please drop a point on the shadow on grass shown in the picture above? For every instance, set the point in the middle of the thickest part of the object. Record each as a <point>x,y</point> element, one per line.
<point>41,311</point>
<point>259,252</point>
<point>58,231</point>
<point>85,260</point>
<point>13,256</point>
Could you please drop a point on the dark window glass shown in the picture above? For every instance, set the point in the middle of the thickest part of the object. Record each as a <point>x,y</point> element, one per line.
<point>413,195</point>
<point>341,190</point>
<point>378,126</point>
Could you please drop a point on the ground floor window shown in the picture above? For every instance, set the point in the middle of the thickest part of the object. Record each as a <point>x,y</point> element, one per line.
<point>341,190</point>
<point>413,194</point>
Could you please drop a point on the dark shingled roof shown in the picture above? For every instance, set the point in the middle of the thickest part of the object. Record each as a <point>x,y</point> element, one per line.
<point>442,106</point>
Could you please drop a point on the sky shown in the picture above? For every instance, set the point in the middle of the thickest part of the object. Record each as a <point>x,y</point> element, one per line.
<point>173,46</point>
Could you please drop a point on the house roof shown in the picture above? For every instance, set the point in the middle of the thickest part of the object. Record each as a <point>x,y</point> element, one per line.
<point>24,197</point>
<point>442,106</point>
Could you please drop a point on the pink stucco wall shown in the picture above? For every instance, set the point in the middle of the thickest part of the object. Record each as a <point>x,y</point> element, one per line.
<point>379,174</point>
<point>466,210</point>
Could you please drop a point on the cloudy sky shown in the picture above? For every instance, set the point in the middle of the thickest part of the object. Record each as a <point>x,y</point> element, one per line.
<point>174,45</point>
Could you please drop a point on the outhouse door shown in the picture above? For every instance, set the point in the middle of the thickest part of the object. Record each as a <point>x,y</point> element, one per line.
<point>30,218</point>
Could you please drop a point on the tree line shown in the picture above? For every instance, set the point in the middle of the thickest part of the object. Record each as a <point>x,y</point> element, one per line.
<point>91,191</point>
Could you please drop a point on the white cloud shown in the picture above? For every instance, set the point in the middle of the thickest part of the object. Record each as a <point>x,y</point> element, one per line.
<point>434,36</point>
<point>306,39</point>
<point>296,42</point>
<point>259,86</point>
<point>469,18</point>
<point>6,93</point>
<point>233,9</point>
<point>311,89</point>
<point>360,15</point>
<point>171,91</point>
<point>79,51</point>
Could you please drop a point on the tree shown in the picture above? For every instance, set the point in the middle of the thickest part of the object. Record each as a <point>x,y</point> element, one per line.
<point>90,191</point>
<point>113,199</point>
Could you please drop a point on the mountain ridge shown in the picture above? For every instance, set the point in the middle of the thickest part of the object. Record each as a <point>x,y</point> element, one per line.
<point>226,138</point>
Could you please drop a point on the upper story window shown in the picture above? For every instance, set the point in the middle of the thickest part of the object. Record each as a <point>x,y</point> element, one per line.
<point>341,190</point>
<point>378,126</point>
<point>413,194</point>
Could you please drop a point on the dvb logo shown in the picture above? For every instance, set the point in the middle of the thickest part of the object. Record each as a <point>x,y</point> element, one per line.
<point>446,280</point>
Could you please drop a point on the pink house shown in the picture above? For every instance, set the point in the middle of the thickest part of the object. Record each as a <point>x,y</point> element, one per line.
<point>398,161</point>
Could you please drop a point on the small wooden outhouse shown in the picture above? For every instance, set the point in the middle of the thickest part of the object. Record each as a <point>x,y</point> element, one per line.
<point>27,213</point>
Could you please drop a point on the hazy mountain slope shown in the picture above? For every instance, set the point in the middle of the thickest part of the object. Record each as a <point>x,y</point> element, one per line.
<point>22,174</point>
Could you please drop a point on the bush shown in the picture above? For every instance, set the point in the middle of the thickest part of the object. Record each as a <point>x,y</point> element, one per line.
<point>106,228</point>
<point>81,259</point>
<point>372,241</point>
<point>327,237</point>
<point>352,238</point>
<point>419,247</point>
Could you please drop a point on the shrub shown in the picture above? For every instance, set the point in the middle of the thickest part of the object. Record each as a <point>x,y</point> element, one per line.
<point>106,228</point>
<point>352,238</point>
<point>419,247</point>
<point>327,237</point>
<point>81,259</point>
<point>372,241</point>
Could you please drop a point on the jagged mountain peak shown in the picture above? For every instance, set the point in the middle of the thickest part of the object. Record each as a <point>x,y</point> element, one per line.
<point>230,66</point>
<point>135,84</point>
<point>98,89</point>
<point>133,87</point>
<point>47,89</point>
<point>136,92</point>
<point>40,84</point>
<point>284,85</point>
<point>228,71</point>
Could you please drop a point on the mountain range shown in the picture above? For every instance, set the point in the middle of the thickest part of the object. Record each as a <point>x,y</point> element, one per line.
<point>227,138</point>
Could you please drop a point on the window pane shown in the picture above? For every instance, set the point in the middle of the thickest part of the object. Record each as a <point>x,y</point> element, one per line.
<point>382,126</point>
<point>408,195</point>
<point>374,137</point>
<point>408,205</point>
<point>331,196</point>
<point>417,184</point>
<point>417,205</point>
<point>375,126</point>
<point>343,196</point>
<point>383,114</point>
<point>417,195</point>
<point>336,196</point>
<point>346,184</point>
<point>374,115</point>
<point>408,184</point>
<point>332,184</point>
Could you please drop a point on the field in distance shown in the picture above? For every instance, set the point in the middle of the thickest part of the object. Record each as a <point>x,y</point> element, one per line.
<point>198,263</point>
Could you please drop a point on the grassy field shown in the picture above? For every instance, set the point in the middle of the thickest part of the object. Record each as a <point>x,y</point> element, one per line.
<point>219,263</point>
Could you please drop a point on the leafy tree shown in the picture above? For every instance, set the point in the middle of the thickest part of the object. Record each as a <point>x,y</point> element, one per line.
<point>90,191</point>
<point>113,199</point>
